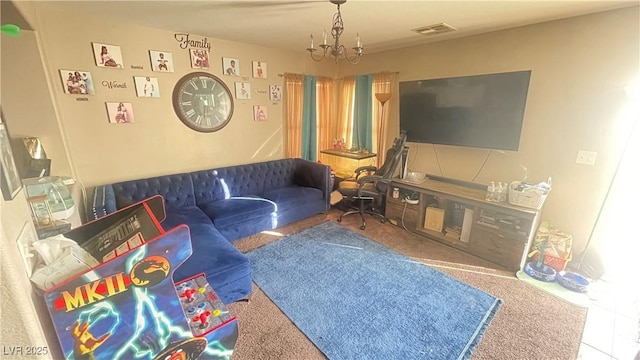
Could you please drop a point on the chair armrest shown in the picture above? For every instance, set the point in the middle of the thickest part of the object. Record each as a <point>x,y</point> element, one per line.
<point>361,169</point>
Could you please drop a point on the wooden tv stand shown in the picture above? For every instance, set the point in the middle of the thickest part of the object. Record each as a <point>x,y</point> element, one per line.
<point>499,232</point>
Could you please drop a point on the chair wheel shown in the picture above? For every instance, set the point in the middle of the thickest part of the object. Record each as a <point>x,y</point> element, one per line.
<point>362,227</point>
<point>339,219</point>
<point>382,221</point>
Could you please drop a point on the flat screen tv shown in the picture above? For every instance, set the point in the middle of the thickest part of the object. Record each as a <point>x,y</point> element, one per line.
<point>482,111</point>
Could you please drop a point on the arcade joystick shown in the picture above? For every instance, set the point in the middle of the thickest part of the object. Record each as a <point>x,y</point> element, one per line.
<point>202,319</point>
<point>188,295</point>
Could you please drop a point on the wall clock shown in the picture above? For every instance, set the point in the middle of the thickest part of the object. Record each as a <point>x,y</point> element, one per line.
<point>203,102</point>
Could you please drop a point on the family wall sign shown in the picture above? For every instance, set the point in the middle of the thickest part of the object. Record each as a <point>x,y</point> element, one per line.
<point>186,42</point>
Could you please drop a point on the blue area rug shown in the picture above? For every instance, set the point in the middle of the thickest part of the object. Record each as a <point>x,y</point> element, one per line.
<point>357,299</point>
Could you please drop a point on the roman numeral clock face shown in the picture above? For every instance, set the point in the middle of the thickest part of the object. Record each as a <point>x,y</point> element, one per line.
<point>203,102</point>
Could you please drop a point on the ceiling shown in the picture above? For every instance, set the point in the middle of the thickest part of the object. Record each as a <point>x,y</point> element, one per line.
<point>382,25</point>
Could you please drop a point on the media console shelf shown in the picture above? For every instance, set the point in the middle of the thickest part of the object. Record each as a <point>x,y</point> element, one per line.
<point>460,216</point>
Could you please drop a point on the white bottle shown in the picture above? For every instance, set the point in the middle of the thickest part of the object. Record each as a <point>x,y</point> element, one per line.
<point>491,192</point>
<point>505,192</point>
<point>499,190</point>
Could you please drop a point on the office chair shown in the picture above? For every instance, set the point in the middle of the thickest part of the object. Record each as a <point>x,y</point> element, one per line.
<point>369,187</point>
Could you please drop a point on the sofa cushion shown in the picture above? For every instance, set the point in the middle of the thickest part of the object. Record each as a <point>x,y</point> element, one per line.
<point>237,210</point>
<point>228,270</point>
<point>223,183</point>
<point>292,195</point>
<point>177,190</point>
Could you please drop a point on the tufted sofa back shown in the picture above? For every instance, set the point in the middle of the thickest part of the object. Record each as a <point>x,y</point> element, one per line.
<point>177,190</point>
<point>240,180</point>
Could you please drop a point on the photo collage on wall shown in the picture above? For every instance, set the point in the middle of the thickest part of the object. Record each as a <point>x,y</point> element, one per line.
<point>109,56</point>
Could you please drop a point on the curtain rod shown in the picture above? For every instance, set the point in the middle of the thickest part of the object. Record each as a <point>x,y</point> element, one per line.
<point>378,73</point>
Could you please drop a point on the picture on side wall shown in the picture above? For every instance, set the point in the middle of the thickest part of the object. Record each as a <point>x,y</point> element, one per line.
<point>259,69</point>
<point>120,112</point>
<point>146,86</point>
<point>231,66</point>
<point>107,55</point>
<point>199,58</point>
<point>259,113</point>
<point>77,82</point>
<point>243,90</point>
<point>161,61</point>
<point>275,92</point>
<point>11,183</point>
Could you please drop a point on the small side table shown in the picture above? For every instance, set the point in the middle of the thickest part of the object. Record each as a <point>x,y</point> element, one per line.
<point>344,163</point>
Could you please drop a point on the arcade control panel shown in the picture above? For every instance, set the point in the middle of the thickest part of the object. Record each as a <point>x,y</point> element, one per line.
<point>204,311</point>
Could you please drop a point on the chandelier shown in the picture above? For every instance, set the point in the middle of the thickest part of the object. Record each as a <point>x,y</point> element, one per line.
<point>337,50</point>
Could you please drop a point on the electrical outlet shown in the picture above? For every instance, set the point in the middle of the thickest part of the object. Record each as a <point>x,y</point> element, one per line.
<point>586,157</point>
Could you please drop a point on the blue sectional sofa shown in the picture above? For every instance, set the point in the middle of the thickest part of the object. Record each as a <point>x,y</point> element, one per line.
<point>225,204</point>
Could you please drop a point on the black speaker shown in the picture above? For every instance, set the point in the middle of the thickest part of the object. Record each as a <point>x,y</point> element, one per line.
<point>404,166</point>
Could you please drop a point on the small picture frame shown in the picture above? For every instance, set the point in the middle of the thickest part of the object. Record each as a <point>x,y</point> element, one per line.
<point>275,92</point>
<point>147,86</point>
<point>161,61</point>
<point>77,82</point>
<point>199,58</point>
<point>108,56</point>
<point>243,90</point>
<point>259,113</point>
<point>120,112</point>
<point>11,183</point>
<point>259,69</point>
<point>231,66</point>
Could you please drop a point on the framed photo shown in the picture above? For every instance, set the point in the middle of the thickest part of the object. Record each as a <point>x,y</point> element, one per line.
<point>146,86</point>
<point>275,92</point>
<point>199,58</point>
<point>120,112</point>
<point>108,55</point>
<point>243,90</point>
<point>259,113</point>
<point>77,82</point>
<point>161,61</point>
<point>11,183</point>
<point>231,66</point>
<point>259,69</point>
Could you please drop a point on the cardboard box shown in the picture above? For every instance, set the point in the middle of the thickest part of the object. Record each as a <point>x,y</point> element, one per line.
<point>73,261</point>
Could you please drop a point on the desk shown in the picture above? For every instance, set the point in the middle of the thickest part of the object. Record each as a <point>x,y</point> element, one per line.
<point>344,163</point>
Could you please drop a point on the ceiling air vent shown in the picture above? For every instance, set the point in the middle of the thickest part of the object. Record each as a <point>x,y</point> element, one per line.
<point>434,29</point>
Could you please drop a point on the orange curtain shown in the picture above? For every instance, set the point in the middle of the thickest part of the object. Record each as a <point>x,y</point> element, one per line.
<point>385,90</point>
<point>293,96</point>
<point>327,119</point>
<point>346,95</point>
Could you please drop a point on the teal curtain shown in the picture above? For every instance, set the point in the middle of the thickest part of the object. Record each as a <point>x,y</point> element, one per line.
<point>363,113</point>
<point>309,120</point>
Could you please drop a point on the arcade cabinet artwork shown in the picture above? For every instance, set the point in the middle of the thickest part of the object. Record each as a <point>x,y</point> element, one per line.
<point>128,307</point>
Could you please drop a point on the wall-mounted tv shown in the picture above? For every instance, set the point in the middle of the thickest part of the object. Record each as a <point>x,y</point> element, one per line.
<point>482,111</point>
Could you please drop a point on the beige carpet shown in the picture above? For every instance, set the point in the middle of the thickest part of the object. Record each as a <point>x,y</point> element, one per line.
<point>531,324</point>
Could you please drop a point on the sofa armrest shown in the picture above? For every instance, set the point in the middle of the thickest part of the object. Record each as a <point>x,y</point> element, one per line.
<point>104,201</point>
<point>312,174</point>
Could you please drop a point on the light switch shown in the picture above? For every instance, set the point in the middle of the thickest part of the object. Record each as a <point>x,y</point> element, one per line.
<point>586,157</point>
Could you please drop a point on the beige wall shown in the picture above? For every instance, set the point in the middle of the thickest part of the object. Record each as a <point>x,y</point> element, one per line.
<point>576,101</point>
<point>158,143</point>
